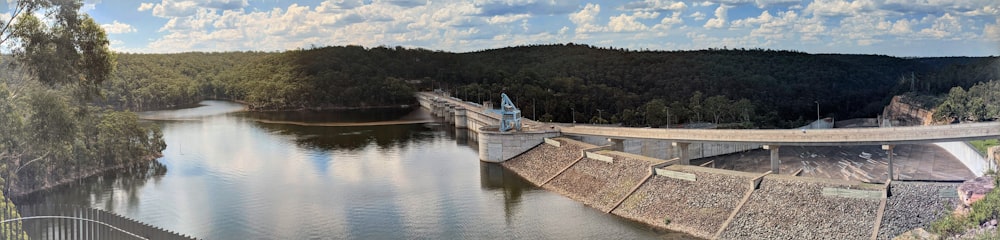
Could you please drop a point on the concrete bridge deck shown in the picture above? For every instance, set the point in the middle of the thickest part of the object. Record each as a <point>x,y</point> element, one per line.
<point>808,137</point>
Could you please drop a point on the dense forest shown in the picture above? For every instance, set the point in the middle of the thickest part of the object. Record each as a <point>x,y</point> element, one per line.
<point>750,87</point>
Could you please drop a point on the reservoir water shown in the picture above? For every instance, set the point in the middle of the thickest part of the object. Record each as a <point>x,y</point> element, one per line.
<point>376,174</point>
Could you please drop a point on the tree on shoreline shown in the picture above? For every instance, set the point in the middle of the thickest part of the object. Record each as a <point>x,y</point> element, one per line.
<point>59,59</point>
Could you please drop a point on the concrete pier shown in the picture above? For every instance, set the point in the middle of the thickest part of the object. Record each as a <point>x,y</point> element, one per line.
<point>775,159</point>
<point>888,150</point>
<point>685,153</point>
<point>461,120</point>
<point>449,115</point>
<point>496,146</point>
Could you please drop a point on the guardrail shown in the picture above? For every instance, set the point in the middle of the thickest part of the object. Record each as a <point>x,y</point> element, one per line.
<point>77,222</point>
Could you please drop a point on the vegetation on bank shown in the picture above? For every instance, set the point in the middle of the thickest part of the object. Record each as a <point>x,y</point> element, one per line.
<point>755,87</point>
<point>981,102</point>
<point>50,130</point>
<point>986,209</point>
<point>983,146</point>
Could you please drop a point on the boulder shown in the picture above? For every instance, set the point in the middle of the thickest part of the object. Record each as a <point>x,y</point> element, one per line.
<point>972,190</point>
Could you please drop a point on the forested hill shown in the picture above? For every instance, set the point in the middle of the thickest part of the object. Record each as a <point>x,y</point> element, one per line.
<point>762,87</point>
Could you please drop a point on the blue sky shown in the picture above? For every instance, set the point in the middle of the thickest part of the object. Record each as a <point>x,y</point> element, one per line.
<point>889,27</point>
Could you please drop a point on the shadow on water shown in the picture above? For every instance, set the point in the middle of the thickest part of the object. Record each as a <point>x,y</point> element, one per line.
<point>349,138</point>
<point>101,188</point>
<point>345,116</point>
<point>302,126</point>
<point>495,177</point>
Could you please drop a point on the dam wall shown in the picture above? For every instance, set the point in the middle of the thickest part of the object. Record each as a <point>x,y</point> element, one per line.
<point>724,204</point>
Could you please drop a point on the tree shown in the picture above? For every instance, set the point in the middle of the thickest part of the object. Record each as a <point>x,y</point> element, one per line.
<point>68,48</point>
<point>67,52</point>
<point>743,110</point>
<point>694,104</point>
<point>717,106</point>
<point>656,112</point>
<point>954,105</point>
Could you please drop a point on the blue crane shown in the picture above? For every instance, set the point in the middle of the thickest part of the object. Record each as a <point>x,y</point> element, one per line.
<point>511,116</point>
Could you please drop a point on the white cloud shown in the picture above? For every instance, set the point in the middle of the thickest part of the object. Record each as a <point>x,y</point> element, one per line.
<point>720,18</point>
<point>668,22</point>
<point>646,15</point>
<point>585,18</point>
<point>764,17</point>
<point>116,27</point>
<point>455,25</point>
<point>829,8</point>
<point>786,26</point>
<point>145,6</point>
<point>768,3</point>
<point>698,16</point>
<point>942,27</point>
<point>507,18</point>
<point>174,8</point>
<point>625,23</point>
<point>655,5</point>
<point>902,27</point>
<point>984,11</point>
<point>992,31</point>
<point>963,7</point>
<point>334,5</point>
<point>862,30</point>
<point>180,8</point>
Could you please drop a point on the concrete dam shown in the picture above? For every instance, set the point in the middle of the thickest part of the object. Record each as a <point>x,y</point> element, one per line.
<point>708,202</point>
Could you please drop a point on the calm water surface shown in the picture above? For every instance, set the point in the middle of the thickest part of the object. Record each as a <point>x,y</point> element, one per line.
<point>226,175</point>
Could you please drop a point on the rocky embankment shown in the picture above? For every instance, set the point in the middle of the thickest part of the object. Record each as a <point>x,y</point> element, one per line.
<point>783,207</point>
<point>696,207</point>
<point>787,207</point>
<point>915,205</point>
<point>544,161</point>
<point>601,184</point>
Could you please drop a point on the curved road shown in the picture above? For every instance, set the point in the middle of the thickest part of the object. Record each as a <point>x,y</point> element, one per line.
<point>808,137</point>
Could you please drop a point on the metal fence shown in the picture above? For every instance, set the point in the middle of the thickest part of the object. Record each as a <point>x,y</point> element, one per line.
<point>76,222</point>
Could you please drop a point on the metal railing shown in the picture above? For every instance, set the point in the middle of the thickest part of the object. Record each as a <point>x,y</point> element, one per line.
<point>77,222</point>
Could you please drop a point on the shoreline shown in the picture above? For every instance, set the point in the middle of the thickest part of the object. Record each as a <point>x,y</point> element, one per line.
<point>249,107</point>
<point>19,193</point>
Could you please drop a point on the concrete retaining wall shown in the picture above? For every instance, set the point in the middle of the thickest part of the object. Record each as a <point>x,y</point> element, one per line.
<point>968,156</point>
<point>663,149</point>
<point>496,146</point>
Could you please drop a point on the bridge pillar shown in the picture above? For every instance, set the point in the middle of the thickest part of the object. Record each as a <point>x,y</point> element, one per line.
<point>775,160</point>
<point>448,111</point>
<point>461,120</point>
<point>436,110</point>
<point>888,151</point>
<point>685,154</point>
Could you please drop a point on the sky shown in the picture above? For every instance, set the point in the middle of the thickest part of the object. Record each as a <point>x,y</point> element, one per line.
<point>904,28</point>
